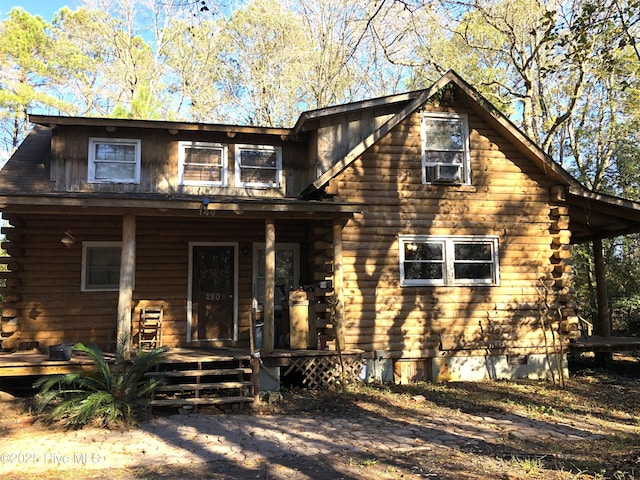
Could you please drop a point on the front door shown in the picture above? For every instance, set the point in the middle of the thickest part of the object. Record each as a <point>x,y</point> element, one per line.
<point>213,293</point>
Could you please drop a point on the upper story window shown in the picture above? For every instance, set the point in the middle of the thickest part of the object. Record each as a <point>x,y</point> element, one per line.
<point>445,148</point>
<point>114,160</point>
<point>100,266</point>
<point>201,163</point>
<point>258,166</point>
<point>444,260</point>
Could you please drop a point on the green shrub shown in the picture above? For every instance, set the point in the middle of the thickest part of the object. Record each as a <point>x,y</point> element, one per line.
<point>111,393</point>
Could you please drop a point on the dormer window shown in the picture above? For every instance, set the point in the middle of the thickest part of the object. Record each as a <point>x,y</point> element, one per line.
<point>114,160</point>
<point>258,166</point>
<point>445,149</point>
<point>201,163</point>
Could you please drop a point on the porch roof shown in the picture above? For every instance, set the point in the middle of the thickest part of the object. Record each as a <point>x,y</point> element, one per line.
<point>178,206</point>
<point>596,215</point>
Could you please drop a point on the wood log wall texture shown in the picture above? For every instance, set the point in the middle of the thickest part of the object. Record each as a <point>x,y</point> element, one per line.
<point>52,308</point>
<point>508,197</point>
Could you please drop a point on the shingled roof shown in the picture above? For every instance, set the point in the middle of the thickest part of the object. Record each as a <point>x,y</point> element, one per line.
<point>592,214</point>
<point>27,171</point>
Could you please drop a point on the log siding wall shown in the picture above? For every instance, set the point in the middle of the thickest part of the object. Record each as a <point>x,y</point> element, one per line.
<point>508,197</point>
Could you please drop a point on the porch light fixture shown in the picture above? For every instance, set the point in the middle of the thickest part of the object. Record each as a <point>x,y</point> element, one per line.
<point>204,208</point>
<point>67,239</point>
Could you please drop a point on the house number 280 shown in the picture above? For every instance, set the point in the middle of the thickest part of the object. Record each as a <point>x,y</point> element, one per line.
<point>213,296</point>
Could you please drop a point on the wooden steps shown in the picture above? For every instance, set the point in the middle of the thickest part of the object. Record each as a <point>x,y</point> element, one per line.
<point>202,401</point>
<point>202,386</point>
<point>199,372</point>
<point>224,381</point>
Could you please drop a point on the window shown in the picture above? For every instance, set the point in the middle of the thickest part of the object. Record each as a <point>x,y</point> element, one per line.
<point>430,260</point>
<point>287,270</point>
<point>445,149</point>
<point>114,160</point>
<point>258,166</point>
<point>202,163</point>
<point>101,266</point>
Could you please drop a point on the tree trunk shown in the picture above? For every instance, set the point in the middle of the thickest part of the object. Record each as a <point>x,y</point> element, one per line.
<point>603,325</point>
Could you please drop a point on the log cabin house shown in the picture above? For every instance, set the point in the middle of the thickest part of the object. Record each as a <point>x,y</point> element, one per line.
<point>421,228</point>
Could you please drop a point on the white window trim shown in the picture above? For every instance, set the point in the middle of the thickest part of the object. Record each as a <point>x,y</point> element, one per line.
<point>83,274</point>
<point>448,243</point>
<point>205,146</point>
<point>466,165</point>
<point>238,167</point>
<point>113,141</point>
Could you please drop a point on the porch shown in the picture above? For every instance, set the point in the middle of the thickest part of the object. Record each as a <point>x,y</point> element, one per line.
<point>224,377</point>
<point>600,344</point>
<point>211,274</point>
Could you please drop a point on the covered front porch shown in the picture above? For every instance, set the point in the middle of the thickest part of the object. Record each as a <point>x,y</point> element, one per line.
<point>215,269</point>
<point>218,273</point>
<point>292,252</point>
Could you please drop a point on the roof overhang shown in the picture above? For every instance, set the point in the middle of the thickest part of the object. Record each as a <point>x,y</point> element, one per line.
<point>308,120</point>
<point>595,215</point>
<point>174,128</point>
<point>176,206</point>
<point>409,103</point>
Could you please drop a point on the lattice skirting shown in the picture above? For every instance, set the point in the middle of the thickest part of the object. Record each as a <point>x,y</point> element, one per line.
<point>325,371</point>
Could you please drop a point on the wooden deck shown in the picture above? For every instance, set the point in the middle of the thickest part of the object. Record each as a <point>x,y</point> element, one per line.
<point>605,344</point>
<point>36,363</point>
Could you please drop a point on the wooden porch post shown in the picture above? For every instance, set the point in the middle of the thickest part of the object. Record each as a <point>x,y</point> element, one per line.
<point>603,325</point>
<point>338,281</point>
<point>127,276</point>
<point>269,284</point>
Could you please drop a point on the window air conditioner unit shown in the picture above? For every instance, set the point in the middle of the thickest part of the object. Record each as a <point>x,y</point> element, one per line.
<point>446,173</point>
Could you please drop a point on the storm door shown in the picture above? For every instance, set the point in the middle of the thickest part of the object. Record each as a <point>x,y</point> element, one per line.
<point>213,293</point>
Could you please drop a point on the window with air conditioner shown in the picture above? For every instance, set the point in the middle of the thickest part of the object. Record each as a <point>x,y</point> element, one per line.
<point>445,149</point>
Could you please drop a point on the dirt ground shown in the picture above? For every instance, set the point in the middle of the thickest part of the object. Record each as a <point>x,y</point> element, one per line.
<point>611,396</point>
